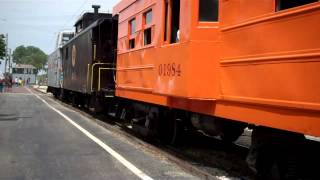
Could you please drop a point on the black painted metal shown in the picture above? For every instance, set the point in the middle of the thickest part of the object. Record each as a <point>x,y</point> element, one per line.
<point>79,52</point>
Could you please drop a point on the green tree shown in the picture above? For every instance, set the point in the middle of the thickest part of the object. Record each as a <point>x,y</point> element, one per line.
<point>2,46</point>
<point>30,55</point>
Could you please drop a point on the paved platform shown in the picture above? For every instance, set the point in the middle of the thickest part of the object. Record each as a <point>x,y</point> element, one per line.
<point>40,139</point>
<point>15,89</point>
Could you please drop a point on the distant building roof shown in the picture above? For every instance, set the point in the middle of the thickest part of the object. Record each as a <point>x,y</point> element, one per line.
<point>24,66</point>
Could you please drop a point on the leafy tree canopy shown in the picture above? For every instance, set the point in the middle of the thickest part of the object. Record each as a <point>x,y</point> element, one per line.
<point>30,55</point>
<point>2,46</point>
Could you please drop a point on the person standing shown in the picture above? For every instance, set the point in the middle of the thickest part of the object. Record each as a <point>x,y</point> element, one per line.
<point>10,84</point>
<point>16,81</point>
<point>1,85</point>
<point>20,81</point>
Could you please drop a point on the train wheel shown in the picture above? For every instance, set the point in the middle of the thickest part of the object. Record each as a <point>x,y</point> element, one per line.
<point>54,92</point>
<point>231,131</point>
<point>61,94</point>
<point>74,100</point>
<point>55,95</point>
<point>95,105</point>
<point>275,154</point>
<point>172,127</point>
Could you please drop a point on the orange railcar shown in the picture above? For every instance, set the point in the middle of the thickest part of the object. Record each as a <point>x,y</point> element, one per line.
<point>250,61</point>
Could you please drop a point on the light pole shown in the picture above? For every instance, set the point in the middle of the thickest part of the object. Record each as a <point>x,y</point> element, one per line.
<point>10,61</point>
<point>6,54</point>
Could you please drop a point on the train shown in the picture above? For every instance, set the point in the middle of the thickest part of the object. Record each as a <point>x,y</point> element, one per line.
<point>215,66</point>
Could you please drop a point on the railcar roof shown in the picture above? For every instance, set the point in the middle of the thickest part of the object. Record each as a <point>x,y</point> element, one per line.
<point>88,14</point>
<point>94,24</point>
<point>123,4</point>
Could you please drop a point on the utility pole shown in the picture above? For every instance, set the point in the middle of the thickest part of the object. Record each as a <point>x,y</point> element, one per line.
<point>6,54</point>
<point>10,61</point>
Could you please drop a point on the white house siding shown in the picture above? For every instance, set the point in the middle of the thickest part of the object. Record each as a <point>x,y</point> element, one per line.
<point>25,77</point>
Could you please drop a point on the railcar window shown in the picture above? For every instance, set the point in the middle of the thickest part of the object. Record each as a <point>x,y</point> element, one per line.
<point>208,10</point>
<point>132,30</point>
<point>286,4</point>
<point>131,43</point>
<point>166,20</point>
<point>66,38</point>
<point>148,17</point>
<point>175,21</point>
<point>147,36</point>
<point>132,26</point>
<point>79,27</point>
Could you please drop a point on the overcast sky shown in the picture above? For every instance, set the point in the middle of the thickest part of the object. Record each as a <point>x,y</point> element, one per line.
<point>36,22</point>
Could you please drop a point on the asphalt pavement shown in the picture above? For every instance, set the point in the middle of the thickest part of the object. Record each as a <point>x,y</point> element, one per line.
<point>41,139</point>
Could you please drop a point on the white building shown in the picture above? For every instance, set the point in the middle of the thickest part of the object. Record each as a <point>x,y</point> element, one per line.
<point>25,72</point>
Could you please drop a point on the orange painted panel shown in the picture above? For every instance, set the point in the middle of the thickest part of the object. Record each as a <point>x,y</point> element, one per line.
<point>269,64</point>
<point>292,84</point>
<point>279,69</point>
<point>171,75</point>
<point>237,11</point>
<point>295,120</point>
<point>290,119</point>
<point>260,67</point>
<point>143,96</point>
<point>280,33</point>
<point>138,72</point>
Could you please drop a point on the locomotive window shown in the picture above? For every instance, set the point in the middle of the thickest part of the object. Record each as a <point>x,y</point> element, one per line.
<point>147,36</point>
<point>208,10</point>
<point>286,4</point>
<point>132,26</point>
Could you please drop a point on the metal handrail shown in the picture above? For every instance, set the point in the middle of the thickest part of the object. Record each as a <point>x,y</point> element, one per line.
<point>92,68</point>
<point>99,86</point>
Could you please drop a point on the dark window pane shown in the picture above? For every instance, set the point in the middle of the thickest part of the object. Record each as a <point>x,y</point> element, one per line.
<point>131,43</point>
<point>286,4</point>
<point>67,53</point>
<point>147,36</point>
<point>208,10</point>
<point>166,20</point>
<point>175,21</point>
